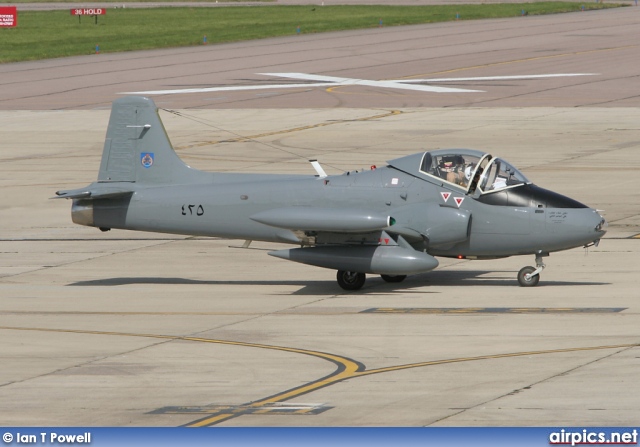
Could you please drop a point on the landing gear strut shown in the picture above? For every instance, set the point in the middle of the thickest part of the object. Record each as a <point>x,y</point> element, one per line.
<point>351,280</point>
<point>530,276</point>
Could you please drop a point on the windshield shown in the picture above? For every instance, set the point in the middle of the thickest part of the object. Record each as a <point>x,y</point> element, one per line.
<point>500,175</point>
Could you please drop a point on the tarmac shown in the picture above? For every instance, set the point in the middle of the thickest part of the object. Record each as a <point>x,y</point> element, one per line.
<point>138,329</point>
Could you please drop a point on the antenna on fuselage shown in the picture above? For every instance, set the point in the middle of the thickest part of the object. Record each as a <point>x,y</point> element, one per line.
<point>318,168</point>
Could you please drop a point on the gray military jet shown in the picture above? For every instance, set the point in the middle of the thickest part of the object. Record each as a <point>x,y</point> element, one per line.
<point>391,221</point>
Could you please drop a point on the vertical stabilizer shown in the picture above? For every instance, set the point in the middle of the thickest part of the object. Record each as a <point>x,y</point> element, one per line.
<point>137,148</point>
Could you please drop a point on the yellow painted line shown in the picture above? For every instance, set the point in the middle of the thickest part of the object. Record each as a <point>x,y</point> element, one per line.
<point>347,368</point>
<point>490,357</point>
<point>491,310</point>
<point>286,131</point>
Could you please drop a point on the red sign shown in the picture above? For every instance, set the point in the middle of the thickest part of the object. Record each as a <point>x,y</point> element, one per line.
<point>88,12</point>
<point>8,16</point>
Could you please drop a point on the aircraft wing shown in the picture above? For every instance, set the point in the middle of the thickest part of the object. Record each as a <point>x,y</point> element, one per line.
<point>304,218</point>
<point>350,239</point>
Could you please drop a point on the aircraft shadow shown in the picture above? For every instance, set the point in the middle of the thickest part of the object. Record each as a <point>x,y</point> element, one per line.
<point>374,283</point>
<point>183,281</point>
<point>493,278</point>
<point>306,287</point>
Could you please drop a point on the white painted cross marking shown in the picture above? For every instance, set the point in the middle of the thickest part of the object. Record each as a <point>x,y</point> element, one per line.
<point>333,81</point>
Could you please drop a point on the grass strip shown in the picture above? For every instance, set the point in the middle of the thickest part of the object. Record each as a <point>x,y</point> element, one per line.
<point>51,34</point>
<point>74,3</point>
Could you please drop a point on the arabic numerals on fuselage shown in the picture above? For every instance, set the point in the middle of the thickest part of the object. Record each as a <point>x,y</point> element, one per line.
<point>192,210</point>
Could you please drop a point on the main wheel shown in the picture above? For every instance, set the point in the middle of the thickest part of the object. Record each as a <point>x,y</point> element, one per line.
<point>350,280</point>
<point>525,279</point>
<point>393,278</point>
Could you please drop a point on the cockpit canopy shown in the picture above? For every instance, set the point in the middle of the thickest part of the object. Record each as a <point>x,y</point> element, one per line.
<point>465,168</point>
<point>500,175</point>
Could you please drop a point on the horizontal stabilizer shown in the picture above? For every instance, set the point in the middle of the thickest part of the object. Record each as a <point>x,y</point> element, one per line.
<point>324,219</point>
<point>94,191</point>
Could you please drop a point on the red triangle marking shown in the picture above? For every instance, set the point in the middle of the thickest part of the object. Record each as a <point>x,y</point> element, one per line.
<point>459,201</point>
<point>445,195</point>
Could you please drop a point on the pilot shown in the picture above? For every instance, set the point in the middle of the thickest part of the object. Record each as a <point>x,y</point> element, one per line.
<point>453,170</point>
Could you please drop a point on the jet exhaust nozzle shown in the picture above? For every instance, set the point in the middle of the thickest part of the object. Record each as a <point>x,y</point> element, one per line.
<point>82,212</point>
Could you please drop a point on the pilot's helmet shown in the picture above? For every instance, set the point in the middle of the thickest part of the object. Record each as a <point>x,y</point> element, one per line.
<point>468,171</point>
<point>447,163</point>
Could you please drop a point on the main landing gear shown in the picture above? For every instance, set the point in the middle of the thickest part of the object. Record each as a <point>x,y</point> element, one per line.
<point>527,276</point>
<point>354,280</point>
<point>350,280</point>
<point>530,276</point>
<point>394,278</point>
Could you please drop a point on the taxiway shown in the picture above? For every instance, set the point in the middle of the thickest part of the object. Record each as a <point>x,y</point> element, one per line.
<point>136,329</point>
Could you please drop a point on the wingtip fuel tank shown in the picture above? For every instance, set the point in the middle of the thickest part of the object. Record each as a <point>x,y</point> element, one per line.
<point>381,260</point>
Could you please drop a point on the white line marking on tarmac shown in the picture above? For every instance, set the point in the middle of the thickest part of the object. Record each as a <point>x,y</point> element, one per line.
<point>333,81</point>
<point>498,78</point>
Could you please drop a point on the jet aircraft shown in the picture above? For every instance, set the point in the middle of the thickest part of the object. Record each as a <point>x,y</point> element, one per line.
<point>391,221</point>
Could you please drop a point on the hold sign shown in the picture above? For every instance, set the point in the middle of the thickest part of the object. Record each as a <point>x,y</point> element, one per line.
<point>8,16</point>
<point>88,12</point>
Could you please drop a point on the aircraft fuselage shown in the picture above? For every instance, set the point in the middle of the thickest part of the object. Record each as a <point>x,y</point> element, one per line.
<point>224,209</point>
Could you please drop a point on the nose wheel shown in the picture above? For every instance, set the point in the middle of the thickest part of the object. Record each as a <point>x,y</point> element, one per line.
<point>526,277</point>
<point>530,276</point>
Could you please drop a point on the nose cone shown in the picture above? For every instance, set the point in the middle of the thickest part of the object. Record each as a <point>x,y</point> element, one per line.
<point>570,220</point>
<point>601,227</point>
<point>587,225</point>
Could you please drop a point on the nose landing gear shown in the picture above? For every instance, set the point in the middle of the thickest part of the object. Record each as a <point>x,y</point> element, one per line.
<point>530,276</point>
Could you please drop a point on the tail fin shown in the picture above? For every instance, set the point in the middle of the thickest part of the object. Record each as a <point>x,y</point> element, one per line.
<point>137,148</point>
